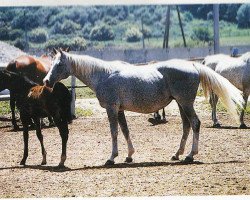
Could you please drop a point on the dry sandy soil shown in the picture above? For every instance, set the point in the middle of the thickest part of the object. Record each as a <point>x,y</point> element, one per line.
<point>222,166</point>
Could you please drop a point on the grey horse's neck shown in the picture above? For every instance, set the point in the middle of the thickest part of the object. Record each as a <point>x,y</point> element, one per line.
<point>89,70</point>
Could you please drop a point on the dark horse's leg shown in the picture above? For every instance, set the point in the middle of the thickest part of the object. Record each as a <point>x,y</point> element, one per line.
<point>62,125</point>
<point>188,115</point>
<point>12,108</point>
<point>163,114</point>
<point>51,122</point>
<point>40,138</point>
<point>124,127</point>
<point>25,121</point>
<point>157,116</point>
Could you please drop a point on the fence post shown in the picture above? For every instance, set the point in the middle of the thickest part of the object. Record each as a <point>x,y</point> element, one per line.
<point>73,95</point>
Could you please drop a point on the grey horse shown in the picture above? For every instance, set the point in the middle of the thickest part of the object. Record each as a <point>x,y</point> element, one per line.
<point>237,71</point>
<point>120,87</point>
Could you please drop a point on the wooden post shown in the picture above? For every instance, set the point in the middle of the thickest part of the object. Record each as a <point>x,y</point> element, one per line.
<point>142,30</point>
<point>180,23</point>
<point>216,28</point>
<point>73,95</point>
<point>166,34</point>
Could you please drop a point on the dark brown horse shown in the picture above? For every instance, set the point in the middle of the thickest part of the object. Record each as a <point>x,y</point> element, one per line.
<point>33,68</point>
<point>34,102</point>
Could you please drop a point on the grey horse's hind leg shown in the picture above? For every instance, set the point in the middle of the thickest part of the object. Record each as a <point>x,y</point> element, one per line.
<point>113,121</point>
<point>195,124</point>
<point>242,124</point>
<point>124,127</point>
<point>186,130</point>
<point>213,100</point>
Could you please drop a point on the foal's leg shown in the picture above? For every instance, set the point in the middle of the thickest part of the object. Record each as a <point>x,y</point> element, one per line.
<point>113,122</point>
<point>213,100</point>
<point>157,116</point>
<point>242,124</point>
<point>124,127</point>
<point>195,124</point>
<point>62,125</point>
<point>186,129</point>
<point>25,122</point>
<point>163,114</point>
<point>40,138</point>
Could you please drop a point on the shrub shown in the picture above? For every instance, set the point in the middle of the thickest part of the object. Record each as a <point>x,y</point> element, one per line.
<point>75,44</point>
<point>67,27</point>
<point>15,34</point>
<point>202,34</point>
<point>38,35</point>
<point>20,43</point>
<point>133,35</point>
<point>4,33</point>
<point>102,32</point>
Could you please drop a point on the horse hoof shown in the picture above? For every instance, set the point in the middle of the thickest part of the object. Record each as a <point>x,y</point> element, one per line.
<point>243,126</point>
<point>174,158</point>
<point>109,163</point>
<point>22,162</point>
<point>60,166</point>
<point>188,160</point>
<point>43,163</point>
<point>216,126</point>
<point>129,160</point>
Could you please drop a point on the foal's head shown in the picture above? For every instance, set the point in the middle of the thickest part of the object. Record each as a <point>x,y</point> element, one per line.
<point>13,81</point>
<point>5,79</point>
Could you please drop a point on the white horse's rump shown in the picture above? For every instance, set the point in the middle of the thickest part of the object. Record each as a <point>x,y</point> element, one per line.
<point>236,71</point>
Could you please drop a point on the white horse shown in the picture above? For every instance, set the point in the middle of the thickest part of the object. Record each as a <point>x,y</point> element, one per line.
<point>145,89</point>
<point>237,71</point>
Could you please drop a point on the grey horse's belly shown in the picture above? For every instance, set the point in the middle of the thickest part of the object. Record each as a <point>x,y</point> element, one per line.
<point>234,76</point>
<point>144,98</point>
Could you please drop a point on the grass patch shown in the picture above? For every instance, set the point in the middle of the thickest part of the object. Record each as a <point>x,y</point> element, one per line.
<point>81,93</point>
<point>80,112</point>
<point>4,108</point>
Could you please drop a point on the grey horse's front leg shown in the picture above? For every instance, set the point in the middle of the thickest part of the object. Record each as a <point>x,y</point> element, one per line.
<point>124,127</point>
<point>113,121</point>
<point>242,124</point>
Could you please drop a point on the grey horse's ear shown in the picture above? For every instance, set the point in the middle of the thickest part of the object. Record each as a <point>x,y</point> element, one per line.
<point>67,49</point>
<point>54,50</point>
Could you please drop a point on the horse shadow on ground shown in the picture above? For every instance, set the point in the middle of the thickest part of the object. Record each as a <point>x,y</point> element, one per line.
<point>155,122</point>
<point>116,166</point>
<point>227,127</point>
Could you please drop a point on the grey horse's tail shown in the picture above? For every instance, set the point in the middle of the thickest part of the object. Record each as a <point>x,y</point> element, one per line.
<point>230,96</point>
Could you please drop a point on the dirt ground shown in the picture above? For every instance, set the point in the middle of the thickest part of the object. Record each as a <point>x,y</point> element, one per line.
<point>222,166</point>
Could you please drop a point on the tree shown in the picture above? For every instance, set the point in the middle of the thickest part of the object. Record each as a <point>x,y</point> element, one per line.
<point>102,32</point>
<point>38,35</point>
<point>133,35</point>
<point>243,16</point>
<point>202,34</point>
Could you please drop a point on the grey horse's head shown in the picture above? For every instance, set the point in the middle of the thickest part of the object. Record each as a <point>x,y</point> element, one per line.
<point>59,70</point>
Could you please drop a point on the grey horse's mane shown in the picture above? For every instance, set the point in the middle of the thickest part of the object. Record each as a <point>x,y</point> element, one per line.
<point>88,65</point>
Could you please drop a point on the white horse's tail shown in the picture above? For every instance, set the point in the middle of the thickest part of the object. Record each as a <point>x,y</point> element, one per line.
<point>230,96</point>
